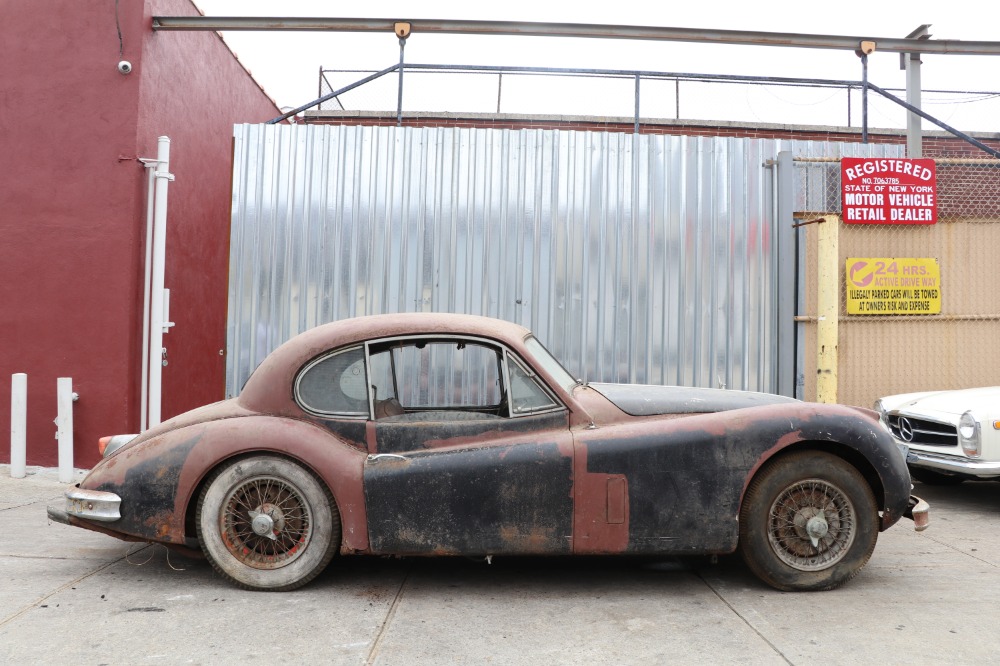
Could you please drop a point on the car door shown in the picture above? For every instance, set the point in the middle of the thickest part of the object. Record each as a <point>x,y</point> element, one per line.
<point>470,453</point>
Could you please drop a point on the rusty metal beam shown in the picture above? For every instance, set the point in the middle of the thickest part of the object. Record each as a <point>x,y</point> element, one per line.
<point>656,33</point>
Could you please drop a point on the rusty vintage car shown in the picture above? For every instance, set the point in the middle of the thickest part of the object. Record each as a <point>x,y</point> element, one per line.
<point>435,434</point>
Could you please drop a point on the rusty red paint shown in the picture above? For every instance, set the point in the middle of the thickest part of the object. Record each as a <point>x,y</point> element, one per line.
<point>587,479</point>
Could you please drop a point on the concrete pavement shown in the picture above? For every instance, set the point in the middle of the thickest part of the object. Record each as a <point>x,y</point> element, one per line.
<point>73,596</point>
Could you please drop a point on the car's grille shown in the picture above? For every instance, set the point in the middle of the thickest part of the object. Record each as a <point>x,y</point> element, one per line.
<point>921,431</point>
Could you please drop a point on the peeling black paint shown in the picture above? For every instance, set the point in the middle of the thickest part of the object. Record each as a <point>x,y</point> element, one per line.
<point>513,499</point>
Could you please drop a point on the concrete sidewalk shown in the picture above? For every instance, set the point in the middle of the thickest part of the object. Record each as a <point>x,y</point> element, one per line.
<point>74,596</point>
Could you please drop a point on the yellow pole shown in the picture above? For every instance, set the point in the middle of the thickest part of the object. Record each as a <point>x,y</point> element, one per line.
<point>828,300</point>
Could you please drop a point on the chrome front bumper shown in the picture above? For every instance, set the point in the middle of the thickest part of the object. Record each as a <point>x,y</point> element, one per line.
<point>954,464</point>
<point>96,505</point>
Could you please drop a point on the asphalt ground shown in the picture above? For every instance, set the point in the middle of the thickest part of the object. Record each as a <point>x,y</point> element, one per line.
<point>68,595</point>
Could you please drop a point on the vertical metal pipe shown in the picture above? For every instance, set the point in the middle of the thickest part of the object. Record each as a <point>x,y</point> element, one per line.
<point>786,279</point>
<point>144,392</point>
<point>636,130</point>
<point>18,424</point>
<point>828,300</point>
<point>157,323</point>
<point>64,427</point>
<point>864,98</point>
<point>399,100</point>
<point>914,136</point>
<point>677,99</point>
<point>499,90</point>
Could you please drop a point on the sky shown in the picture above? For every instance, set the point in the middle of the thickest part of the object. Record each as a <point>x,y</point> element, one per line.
<point>287,64</point>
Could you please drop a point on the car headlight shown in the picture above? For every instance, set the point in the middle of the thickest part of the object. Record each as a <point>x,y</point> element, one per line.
<point>969,435</point>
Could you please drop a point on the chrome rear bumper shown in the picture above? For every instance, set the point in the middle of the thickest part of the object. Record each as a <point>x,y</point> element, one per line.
<point>95,505</point>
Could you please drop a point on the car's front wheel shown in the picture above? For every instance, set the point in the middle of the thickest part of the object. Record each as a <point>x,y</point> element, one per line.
<point>265,523</point>
<point>809,521</point>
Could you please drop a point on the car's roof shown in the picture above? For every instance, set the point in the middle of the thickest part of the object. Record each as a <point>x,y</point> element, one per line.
<point>279,368</point>
<point>359,329</point>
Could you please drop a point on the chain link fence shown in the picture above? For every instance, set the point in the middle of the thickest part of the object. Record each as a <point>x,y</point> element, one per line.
<point>900,353</point>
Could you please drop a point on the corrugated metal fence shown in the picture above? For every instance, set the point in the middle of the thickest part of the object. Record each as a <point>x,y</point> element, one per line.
<point>639,258</point>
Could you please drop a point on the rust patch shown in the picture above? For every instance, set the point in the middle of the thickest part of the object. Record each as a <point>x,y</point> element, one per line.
<point>599,526</point>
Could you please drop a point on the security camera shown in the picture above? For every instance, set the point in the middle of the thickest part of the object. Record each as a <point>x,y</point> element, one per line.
<point>124,67</point>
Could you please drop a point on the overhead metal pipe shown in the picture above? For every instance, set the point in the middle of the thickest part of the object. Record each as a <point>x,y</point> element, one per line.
<point>585,30</point>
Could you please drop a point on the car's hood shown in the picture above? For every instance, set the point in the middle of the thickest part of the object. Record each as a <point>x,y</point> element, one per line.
<point>647,400</point>
<point>979,400</point>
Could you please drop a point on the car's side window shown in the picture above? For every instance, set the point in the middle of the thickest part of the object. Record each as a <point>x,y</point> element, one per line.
<point>335,384</point>
<point>435,375</point>
<point>526,395</point>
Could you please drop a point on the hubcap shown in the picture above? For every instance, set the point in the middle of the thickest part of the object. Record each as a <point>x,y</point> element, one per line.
<point>265,522</point>
<point>811,525</point>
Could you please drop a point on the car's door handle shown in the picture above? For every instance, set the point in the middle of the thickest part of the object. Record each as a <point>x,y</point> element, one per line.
<point>372,458</point>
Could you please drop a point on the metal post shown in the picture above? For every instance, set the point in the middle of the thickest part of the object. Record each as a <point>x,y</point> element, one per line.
<point>64,427</point>
<point>828,300</point>
<point>158,324</point>
<point>914,138</point>
<point>864,98</point>
<point>910,63</point>
<point>636,130</point>
<point>787,256</point>
<point>18,424</point>
<point>399,101</point>
<point>151,166</point>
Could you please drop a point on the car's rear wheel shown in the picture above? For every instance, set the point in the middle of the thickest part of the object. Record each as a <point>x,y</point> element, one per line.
<point>265,523</point>
<point>809,521</point>
<point>932,478</point>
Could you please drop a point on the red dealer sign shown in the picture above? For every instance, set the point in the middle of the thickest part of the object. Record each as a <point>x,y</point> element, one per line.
<point>878,190</point>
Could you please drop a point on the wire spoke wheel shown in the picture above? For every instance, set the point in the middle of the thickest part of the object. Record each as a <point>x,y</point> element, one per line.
<point>808,521</point>
<point>266,523</point>
<point>811,525</point>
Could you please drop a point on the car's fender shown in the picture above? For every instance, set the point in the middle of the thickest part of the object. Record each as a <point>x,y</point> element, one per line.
<point>700,467</point>
<point>158,478</point>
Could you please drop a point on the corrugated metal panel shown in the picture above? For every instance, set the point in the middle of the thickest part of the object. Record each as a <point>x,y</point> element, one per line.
<point>634,258</point>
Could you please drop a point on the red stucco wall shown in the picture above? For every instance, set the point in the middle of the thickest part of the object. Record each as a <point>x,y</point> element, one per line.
<point>72,209</point>
<point>194,91</point>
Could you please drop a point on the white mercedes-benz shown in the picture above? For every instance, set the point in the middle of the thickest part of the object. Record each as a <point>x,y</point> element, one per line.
<point>950,436</point>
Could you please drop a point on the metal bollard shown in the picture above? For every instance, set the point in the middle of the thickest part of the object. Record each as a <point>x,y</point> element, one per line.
<point>64,424</point>
<point>18,424</point>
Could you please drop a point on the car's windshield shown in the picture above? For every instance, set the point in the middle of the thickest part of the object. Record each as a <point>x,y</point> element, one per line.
<point>547,361</point>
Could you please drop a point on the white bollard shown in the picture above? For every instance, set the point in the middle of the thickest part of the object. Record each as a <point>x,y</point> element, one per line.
<point>64,423</point>
<point>18,424</point>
